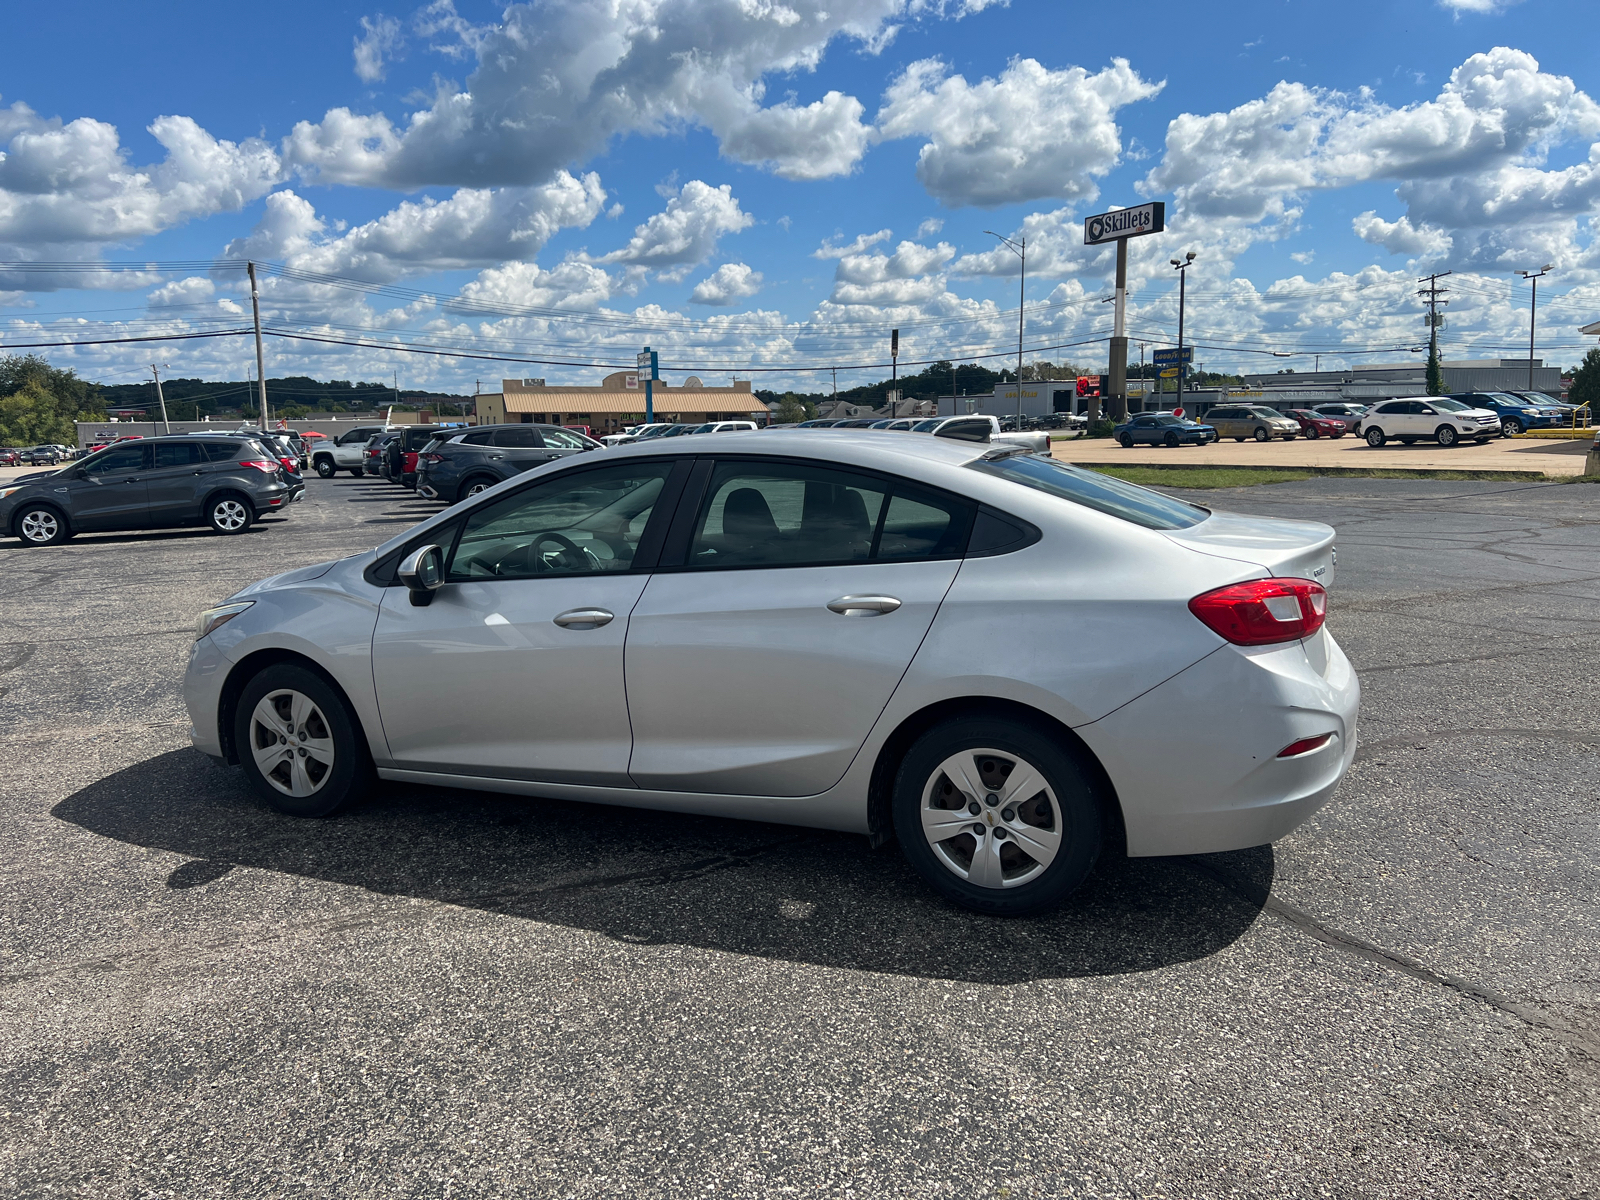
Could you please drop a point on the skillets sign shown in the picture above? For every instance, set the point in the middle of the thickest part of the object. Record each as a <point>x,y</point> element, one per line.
<point>1124,223</point>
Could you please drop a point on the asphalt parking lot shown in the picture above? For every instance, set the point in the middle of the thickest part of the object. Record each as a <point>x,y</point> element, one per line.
<point>446,994</point>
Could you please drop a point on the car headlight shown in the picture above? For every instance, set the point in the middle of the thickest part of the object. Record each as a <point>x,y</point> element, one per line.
<point>214,618</point>
<point>10,491</point>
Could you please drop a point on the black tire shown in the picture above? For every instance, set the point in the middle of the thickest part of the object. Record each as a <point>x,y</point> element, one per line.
<point>358,472</point>
<point>1237,439</point>
<point>1289,437</point>
<point>229,513</point>
<point>1446,436</point>
<point>350,774</point>
<point>1075,816</point>
<point>480,483</point>
<point>40,525</point>
<point>1408,441</point>
<point>1127,441</point>
<point>1375,437</point>
<point>1313,433</point>
<point>1511,428</point>
<point>1261,434</point>
<point>1171,440</point>
<point>325,467</point>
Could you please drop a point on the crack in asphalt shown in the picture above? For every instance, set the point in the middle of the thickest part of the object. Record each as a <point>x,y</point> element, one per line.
<point>1531,1015</point>
<point>1368,749</point>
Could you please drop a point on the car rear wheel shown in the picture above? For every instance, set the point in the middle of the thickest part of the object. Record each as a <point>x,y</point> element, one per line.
<point>1375,437</point>
<point>299,744</point>
<point>41,525</point>
<point>480,483</point>
<point>1446,435</point>
<point>229,513</point>
<point>326,469</point>
<point>996,816</point>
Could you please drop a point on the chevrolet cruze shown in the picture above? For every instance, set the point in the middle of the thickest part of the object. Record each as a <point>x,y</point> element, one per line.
<point>1004,661</point>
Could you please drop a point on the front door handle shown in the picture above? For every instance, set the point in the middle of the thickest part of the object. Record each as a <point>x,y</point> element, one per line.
<point>584,618</point>
<point>863,606</point>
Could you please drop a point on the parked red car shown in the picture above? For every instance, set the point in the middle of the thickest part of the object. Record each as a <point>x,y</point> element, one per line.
<point>8,457</point>
<point>1315,425</point>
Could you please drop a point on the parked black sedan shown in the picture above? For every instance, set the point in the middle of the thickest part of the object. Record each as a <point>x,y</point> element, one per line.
<point>463,462</point>
<point>153,483</point>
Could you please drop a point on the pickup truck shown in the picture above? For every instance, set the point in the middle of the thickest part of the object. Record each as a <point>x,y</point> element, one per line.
<point>344,452</point>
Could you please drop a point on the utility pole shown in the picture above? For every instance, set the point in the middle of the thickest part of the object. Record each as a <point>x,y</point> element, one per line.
<point>1533,277</point>
<point>261,371</point>
<point>1020,249</point>
<point>1183,275</point>
<point>1433,291</point>
<point>165,424</point>
<point>835,383</point>
<point>894,362</point>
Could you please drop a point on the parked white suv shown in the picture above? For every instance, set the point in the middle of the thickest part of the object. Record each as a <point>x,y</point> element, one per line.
<point>344,453</point>
<point>1428,418</point>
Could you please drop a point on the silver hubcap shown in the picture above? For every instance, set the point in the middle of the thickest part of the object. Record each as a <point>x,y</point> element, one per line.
<point>291,742</point>
<point>40,526</point>
<point>476,488</point>
<point>991,818</point>
<point>230,515</point>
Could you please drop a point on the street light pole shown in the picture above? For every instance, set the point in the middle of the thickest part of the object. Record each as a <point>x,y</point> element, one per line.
<point>1020,249</point>
<point>1533,277</point>
<point>1183,275</point>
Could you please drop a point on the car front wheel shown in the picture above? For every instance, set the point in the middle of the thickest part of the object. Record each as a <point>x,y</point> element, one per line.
<point>298,743</point>
<point>41,525</point>
<point>229,514</point>
<point>1262,435</point>
<point>1375,437</point>
<point>326,469</point>
<point>358,472</point>
<point>1446,435</point>
<point>1511,428</point>
<point>1127,441</point>
<point>996,816</point>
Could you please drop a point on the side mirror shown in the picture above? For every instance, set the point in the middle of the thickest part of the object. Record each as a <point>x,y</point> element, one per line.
<point>423,574</point>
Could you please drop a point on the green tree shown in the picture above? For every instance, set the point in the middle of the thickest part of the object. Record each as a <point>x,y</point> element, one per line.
<point>791,409</point>
<point>1435,372</point>
<point>1585,387</point>
<point>39,403</point>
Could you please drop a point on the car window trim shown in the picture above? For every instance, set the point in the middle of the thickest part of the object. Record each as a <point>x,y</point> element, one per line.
<point>382,572</point>
<point>676,547</point>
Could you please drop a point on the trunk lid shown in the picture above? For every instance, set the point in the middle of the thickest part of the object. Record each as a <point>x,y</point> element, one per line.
<point>1298,549</point>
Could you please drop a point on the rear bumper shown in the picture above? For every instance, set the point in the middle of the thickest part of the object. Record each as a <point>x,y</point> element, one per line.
<point>1194,761</point>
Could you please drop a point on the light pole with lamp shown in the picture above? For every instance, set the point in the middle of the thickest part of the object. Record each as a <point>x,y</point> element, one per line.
<point>1182,267</point>
<point>1533,277</point>
<point>1020,249</point>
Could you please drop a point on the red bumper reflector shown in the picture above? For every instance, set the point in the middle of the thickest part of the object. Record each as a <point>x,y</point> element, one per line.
<point>1305,745</point>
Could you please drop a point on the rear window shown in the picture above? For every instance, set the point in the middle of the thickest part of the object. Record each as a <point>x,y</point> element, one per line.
<point>1103,493</point>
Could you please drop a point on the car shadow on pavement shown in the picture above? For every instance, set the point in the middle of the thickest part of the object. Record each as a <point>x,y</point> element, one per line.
<point>771,891</point>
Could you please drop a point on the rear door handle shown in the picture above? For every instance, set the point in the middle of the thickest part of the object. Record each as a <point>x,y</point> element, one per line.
<point>584,618</point>
<point>863,606</point>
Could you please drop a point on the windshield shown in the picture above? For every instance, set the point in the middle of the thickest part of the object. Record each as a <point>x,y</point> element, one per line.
<point>651,431</point>
<point>1103,493</point>
<point>563,439</point>
<point>1508,398</point>
<point>1449,405</point>
<point>926,426</point>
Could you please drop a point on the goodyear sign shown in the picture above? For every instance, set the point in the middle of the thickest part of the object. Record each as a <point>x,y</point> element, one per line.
<point>1124,223</point>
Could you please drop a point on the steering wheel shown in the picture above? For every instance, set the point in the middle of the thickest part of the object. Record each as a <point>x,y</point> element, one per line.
<point>571,557</point>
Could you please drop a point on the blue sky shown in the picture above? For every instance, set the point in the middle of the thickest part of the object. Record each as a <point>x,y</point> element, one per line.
<point>715,177</point>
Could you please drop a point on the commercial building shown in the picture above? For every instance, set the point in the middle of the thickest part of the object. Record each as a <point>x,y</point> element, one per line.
<point>1384,381</point>
<point>617,401</point>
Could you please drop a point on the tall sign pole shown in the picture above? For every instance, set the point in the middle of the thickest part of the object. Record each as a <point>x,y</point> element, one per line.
<point>261,373</point>
<point>1118,226</point>
<point>649,361</point>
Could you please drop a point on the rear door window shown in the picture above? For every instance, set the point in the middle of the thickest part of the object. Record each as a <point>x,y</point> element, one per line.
<point>519,437</point>
<point>222,451</point>
<point>178,454</point>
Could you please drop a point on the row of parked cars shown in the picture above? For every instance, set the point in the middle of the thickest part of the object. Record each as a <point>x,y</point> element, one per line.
<point>35,456</point>
<point>1474,416</point>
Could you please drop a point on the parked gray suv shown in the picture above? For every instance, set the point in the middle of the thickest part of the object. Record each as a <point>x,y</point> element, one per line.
<point>152,483</point>
<point>459,463</point>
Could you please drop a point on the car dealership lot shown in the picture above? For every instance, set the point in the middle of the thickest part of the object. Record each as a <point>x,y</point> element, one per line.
<point>448,993</point>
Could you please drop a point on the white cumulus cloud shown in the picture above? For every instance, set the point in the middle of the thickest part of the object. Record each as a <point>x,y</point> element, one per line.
<point>685,234</point>
<point>728,284</point>
<point>1030,134</point>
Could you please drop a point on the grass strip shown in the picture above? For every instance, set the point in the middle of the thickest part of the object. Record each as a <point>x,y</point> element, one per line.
<point>1233,477</point>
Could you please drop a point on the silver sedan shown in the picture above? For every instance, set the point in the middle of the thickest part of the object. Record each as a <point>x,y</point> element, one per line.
<point>1006,662</point>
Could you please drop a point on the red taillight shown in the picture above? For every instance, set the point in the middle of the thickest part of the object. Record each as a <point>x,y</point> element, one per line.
<point>1305,745</point>
<point>1263,611</point>
<point>433,458</point>
<point>261,464</point>
<point>289,464</point>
